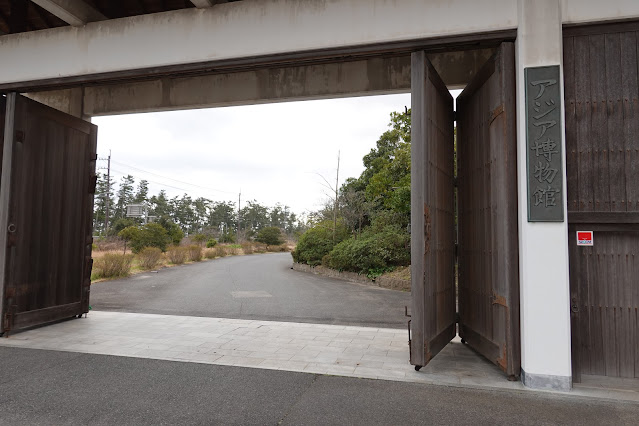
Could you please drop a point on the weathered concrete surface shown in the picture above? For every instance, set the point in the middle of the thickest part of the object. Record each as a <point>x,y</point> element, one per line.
<point>239,30</point>
<point>374,76</point>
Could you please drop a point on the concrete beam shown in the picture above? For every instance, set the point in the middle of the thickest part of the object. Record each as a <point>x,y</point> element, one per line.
<point>69,101</point>
<point>218,34</point>
<point>359,78</point>
<point>206,3</point>
<point>355,78</point>
<point>74,12</point>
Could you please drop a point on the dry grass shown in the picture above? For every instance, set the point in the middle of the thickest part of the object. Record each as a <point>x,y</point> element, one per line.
<point>149,258</point>
<point>194,252</point>
<point>177,255</point>
<point>113,265</point>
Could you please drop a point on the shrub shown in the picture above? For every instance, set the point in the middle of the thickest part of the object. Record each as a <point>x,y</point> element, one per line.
<point>209,254</point>
<point>177,255</point>
<point>194,252</point>
<point>219,251</point>
<point>271,236</point>
<point>173,230</point>
<point>247,247</point>
<point>198,238</point>
<point>149,235</point>
<point>149,257</point>
<point>317,242</point>
<point>113,265</point>
<point>212,242</point>
<point>372,253</point>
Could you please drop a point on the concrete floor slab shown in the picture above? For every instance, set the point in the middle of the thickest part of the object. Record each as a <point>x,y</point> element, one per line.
<point>259,344</point>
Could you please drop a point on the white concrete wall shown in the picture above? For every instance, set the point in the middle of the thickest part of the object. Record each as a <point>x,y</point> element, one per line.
<point>240,30</point>
<point>543,247</point>
<point>582,11</point>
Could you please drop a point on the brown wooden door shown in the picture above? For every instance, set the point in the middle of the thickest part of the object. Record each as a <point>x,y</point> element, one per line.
<point>48,181</point>
<point>601,67</point>
<point>432,213</point>
<point>488,244</point>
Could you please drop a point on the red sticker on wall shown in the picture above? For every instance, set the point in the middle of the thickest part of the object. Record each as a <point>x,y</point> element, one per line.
<point>585,238</point>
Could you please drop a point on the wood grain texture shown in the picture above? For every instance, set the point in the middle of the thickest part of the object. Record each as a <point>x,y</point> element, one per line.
<point>432,213</point>
<point>50,207</point>
<point>602,142</point>
<point>487,213</point>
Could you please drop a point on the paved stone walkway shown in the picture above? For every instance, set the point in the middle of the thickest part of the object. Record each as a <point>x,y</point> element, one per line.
<point>377,353</point>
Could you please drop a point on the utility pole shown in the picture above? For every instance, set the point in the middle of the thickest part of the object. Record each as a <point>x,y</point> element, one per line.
<point>108,194</point>
<point>335,203</point>
<point>239,217</point>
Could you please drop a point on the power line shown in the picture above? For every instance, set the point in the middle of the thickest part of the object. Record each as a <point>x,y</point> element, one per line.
<point>162,184</point>
<point>169,178</point>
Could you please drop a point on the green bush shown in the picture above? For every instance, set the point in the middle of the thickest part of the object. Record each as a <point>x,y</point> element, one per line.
<point>149,257</point>
<point>212,242</point>
<point>372,253</point>
<point>173,230</point>
<point>317,242</point>
<point>271,236</point>
<point>113,265</point>
<point>177,255</point>
<point>149,235</point>
<point>194,252</point>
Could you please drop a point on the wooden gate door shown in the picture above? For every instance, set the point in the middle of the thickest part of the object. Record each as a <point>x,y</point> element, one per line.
<point>46,204</point>
<point>488,244</point>
<point>432,214</point>
<point>601,64</point>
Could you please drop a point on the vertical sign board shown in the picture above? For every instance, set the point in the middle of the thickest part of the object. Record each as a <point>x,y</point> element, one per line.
<point>543,141</point>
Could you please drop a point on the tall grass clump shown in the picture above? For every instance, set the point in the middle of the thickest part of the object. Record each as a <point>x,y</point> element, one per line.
<point>194,252</point>
<point>177,255</point>
<point>113,265</point>
<point>149,257</point>
<point>220,251</point>
<point>247,247</point>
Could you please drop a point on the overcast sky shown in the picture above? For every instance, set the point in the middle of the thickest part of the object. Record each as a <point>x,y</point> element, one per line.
<point>272,153</point>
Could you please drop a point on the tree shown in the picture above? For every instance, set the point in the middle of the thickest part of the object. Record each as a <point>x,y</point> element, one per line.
<point>142,193</point>
<point>125,196</point>
<point>173,230</point>
<point>102,196</point>
<point>149,235</point>
<point>129,234</point>
<point>160,205</point>
<point>254,217</point>
<point>271,236</point>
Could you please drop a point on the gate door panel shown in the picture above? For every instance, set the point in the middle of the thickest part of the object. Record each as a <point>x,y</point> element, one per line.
<point>601,67</point>
<point>487,213</point>
<point>48,181</point>
<point>432,213</point>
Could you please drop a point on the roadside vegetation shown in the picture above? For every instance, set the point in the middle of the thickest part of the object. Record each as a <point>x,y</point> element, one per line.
<point>110,261</point>
<point>365,229</point>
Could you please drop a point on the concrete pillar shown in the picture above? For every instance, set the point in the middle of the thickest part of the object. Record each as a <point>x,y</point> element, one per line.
<point>543,247</point>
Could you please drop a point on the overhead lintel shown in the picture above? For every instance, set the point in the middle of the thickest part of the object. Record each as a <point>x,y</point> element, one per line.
<point>74,12</point>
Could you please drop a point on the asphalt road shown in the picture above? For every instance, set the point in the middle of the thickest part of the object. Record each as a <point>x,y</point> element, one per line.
<point>252,287</point>
<point>40,387</point>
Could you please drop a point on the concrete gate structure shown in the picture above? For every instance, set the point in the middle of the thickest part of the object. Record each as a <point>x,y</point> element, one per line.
<point>528,67</point>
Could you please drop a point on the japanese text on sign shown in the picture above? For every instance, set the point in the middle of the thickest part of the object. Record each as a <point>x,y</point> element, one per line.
<point>543,142</point>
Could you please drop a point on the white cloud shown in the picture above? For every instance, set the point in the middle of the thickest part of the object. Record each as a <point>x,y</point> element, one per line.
<point>271,152</point>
